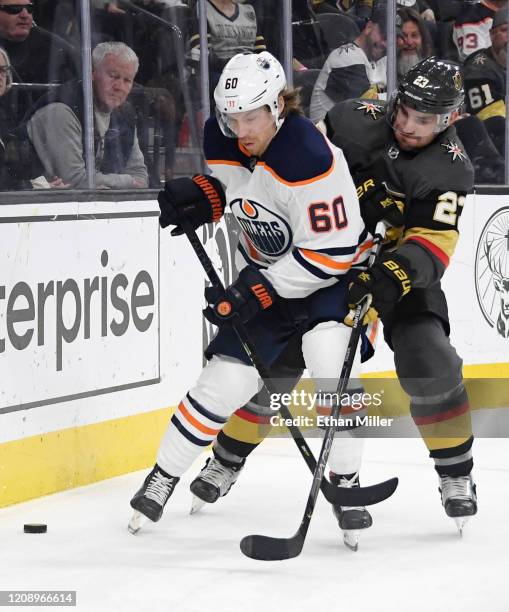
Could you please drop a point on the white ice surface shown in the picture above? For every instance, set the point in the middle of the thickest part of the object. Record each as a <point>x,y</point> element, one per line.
<point>412,559</point>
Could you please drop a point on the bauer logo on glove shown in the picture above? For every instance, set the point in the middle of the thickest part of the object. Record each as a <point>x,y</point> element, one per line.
<point>387,280</point>
<point>400,274</point>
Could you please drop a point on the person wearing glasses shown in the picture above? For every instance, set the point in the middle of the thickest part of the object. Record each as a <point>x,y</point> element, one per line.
<point>15,20</point>
<point>37,56</point>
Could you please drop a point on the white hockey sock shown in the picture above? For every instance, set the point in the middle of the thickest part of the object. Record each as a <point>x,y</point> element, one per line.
<point>346,453</point>
<point>223,386</point>
<point>324,349</point>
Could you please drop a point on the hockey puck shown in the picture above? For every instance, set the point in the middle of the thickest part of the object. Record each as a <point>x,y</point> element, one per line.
<point>35,528</point>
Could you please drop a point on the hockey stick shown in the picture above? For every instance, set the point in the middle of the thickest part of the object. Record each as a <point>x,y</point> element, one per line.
<point>356,496</point>
<point>266,548</point>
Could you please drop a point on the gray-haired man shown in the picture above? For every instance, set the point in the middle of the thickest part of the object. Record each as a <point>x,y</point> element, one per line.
<point>55,127</point>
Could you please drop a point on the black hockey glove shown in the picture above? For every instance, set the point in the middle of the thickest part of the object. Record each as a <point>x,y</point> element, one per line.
<point>247,296</point>
<point>377,205</point>
<point>199,200</point>
<point>387,280</point>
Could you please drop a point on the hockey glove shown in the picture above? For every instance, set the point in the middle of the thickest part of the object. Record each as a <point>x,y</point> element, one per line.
<point>247,296</point>
<point>387,280</point>
<point>377,205</point>
<point>198,200</point>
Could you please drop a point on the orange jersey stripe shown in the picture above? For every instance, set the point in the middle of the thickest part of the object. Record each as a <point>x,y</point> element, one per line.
<point>324,260</point>
<point>225,162</point>
<point>195,423</point>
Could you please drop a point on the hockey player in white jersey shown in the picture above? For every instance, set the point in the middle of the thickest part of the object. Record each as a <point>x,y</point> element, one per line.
<point>292,194</point>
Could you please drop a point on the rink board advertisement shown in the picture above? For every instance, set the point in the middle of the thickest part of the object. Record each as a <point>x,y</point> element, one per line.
<point>477,283</point>
<point>101,332</point>
<point>79,297</point>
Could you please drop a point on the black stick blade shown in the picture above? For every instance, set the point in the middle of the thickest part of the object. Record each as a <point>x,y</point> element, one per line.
<point>361,496</point>
<point>265,548</point>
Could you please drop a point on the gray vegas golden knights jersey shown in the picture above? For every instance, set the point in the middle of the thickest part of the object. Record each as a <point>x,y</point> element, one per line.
<point>228,36</point>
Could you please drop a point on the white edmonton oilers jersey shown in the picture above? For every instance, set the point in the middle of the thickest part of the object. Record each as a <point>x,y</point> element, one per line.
<point>296,205</point>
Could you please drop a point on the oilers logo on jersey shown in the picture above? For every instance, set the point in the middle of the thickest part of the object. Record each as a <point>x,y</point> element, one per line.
<point>267,231</point>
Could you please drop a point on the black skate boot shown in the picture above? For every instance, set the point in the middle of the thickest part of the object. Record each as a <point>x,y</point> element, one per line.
<point>151,498</point>
<point>214,481</point>
<point>459,498</point>
<point>350,519</point>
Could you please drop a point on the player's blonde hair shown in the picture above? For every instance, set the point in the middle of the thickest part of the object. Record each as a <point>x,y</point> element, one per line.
<point>292,102</point>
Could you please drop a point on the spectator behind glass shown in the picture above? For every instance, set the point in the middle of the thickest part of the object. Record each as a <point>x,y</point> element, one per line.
<point>485,73</point>
<point>350,71</point>
<point>55,125</point>
<point>421,7</point>
<point>5,83</point>
<point>472,26</point>
<point>358,8</point>
<point>111,21</point>
<point>485,84</point>
<point>232,29</point>
<point>36,56</point>
<point>414,41</point>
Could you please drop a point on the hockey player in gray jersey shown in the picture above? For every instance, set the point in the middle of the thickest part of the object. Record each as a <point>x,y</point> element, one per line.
<point>302,232</point>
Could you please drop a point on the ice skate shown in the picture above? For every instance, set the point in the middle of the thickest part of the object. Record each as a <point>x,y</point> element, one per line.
<point>214,481</point>
<point>459,498</point>
<point>351,520</point>
<point>151,498</point>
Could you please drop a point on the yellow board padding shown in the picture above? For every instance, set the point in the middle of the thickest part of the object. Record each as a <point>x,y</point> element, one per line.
<point>60,460</point>
<point>56,461</point>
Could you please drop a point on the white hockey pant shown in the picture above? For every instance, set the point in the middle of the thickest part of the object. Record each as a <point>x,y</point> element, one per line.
<point>324,349</point>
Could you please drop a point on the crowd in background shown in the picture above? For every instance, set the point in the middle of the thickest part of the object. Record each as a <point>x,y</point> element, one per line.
<point>146,77</point>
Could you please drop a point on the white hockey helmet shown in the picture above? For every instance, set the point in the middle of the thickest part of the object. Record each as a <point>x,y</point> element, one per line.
<point>249,81</point>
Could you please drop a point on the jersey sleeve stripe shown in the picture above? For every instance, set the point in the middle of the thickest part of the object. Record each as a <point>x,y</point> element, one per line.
<point>333,264</point>
<point>297,183</point>
<point>224,162</point>
<point>323,260</point>
<point>433,248</point>
<point>249,260</point>
<point>344,250</point>
<point>496,109</point>
<point>309,267</point>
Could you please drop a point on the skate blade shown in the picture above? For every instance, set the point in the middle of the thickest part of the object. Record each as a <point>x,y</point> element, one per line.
<point>461,521</point>
<point>136,523</point>
<point>351,539</point>
<point>196,505</point>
